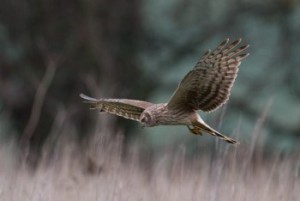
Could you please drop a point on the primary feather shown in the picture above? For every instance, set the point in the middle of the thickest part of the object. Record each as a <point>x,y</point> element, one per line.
<point>127,108</point>
<point>208,85</point>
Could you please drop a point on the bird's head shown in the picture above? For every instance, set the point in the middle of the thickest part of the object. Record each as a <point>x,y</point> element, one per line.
<point>147,119</point>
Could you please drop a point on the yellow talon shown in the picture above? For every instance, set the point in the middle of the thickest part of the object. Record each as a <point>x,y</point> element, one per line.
<point>195,130</point>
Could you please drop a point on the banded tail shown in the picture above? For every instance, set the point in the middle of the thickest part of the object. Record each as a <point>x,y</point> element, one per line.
<point>213,132</point>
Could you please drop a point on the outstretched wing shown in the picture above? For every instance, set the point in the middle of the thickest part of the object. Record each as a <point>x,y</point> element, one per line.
<point>208,85</point>
<point>127,108</point>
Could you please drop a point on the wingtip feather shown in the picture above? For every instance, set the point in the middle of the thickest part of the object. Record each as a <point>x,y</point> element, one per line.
<point>224,42</point>
<point>243,56</point>
<point>236,42</point>
<point>87,98</point>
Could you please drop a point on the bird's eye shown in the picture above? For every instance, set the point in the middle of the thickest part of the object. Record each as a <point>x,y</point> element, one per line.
<point>145,118</point>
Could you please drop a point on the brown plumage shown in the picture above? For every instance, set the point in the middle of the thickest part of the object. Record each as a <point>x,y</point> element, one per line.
<point>129,109</point>
<point>206,87</point>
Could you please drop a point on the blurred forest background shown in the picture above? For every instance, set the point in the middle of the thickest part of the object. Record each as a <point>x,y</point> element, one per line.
<point>53,50</point>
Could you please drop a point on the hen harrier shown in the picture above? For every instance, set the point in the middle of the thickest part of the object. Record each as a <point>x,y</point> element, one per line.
<point>206,87</point>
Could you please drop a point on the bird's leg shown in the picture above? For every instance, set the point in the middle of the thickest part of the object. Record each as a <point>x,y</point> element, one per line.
<point>204,127</point>
<point>195,130</point>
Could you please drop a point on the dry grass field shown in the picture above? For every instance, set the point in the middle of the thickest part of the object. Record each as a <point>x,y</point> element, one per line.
<point>230,173</point>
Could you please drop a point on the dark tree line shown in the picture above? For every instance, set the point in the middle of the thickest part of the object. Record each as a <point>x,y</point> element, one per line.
<point>50,51</point>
